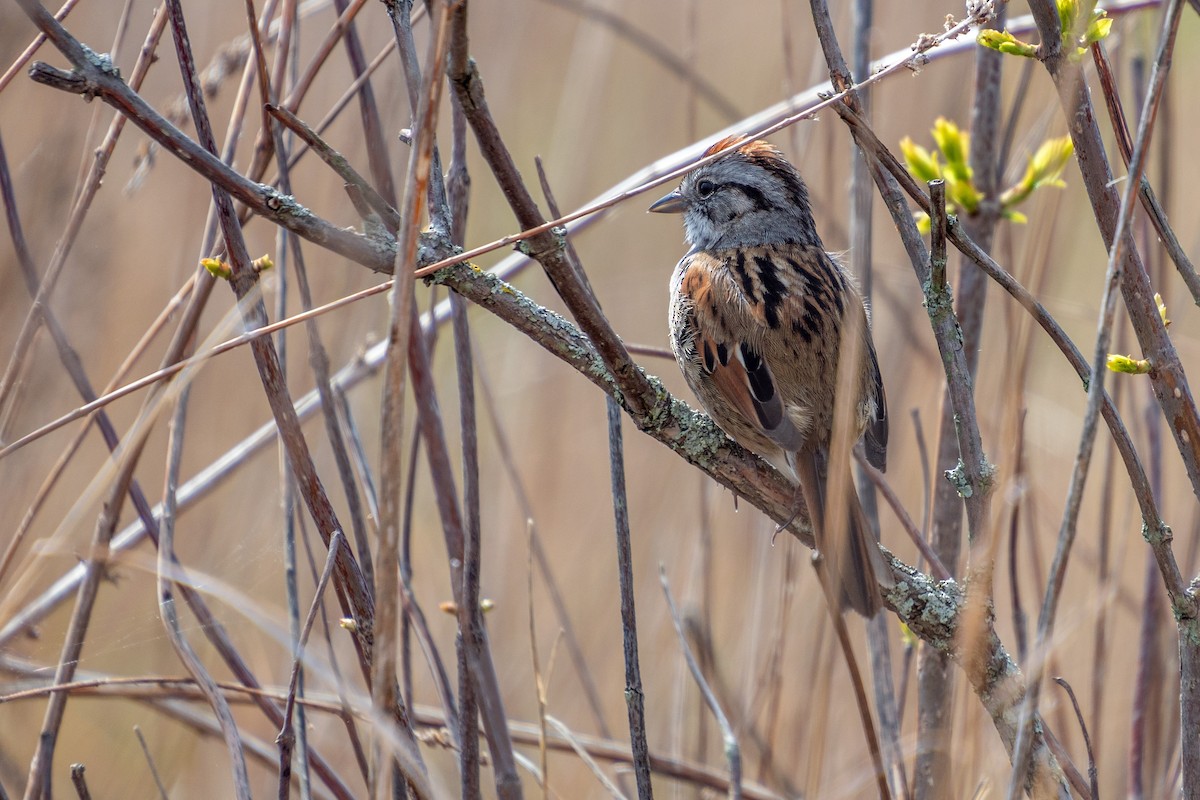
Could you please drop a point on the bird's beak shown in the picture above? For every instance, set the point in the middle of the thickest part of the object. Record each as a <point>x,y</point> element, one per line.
<point>671,204</point>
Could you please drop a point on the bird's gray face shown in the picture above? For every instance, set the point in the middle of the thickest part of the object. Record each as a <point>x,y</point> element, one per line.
<point>734,202</point>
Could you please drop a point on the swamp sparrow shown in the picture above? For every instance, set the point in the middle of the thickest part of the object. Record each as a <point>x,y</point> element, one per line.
<point>771,333</point>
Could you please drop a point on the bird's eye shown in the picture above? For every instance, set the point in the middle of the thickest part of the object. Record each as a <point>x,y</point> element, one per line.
<point>705,188</point>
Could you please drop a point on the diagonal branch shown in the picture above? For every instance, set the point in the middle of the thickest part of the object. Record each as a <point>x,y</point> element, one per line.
<point>546,247</point>
<point>1154,209</point>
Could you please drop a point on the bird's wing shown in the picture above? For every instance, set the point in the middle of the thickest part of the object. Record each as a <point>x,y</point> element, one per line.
<point>736,369</point>
<point>876,439</point>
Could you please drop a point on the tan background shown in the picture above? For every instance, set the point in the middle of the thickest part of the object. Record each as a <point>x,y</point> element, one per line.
<point>596,109</point>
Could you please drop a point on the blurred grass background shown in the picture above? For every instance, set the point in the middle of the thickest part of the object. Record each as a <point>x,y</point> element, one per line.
<point>595,107</point>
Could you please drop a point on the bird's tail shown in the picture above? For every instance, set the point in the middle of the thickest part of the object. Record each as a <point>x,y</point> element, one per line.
<point>853,562</point>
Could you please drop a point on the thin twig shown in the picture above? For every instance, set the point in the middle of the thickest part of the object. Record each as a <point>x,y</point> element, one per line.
<point>1154,209</point>
<point>634,697</point>
<point>937,237</point>
<point>183,711</point>
<point>879,481</point>
<point>321,54</point>
<point>1020,477</point>
<point>335,109</point>
<point>80,782</point>
<point>586,757</point>
<point>39,782</point>
<point>470,615</point>
<point>732,751</point>
<point>169,612</point>
<point>1093,774</point>
<point>162,790</point>
<point>1145,724</point>
<point>287,736</point>
<point>1167,377</point>
<point>539,551</point>
<point>856,681</point>
<point>337,162</point>
<point>540,683</point>
<point>372,125</point>
<point>471,637</point>
<point>319,360</point>
<point>353,591</point>
<point>88,185</point>
<point>771,688</point>
<point>414,616</point>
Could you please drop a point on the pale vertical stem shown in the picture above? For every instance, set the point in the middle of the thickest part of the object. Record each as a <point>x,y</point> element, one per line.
<point>862,196</point>
<point>385,690</point>
<point>170,613</point>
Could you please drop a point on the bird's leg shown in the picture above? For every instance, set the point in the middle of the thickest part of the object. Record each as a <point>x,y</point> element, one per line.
<point>798,504</point>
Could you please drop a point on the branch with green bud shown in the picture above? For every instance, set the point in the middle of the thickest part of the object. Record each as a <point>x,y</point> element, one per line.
<point>1138,366</point>
<point>221,269</point>
<point>1127,364</point>
<point>951,163</point>
<point>1080,25</point>
<point>1005,42</point>
<point>1162,309</point>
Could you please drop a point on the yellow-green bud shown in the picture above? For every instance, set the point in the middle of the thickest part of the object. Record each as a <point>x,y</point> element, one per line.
<point>1162,309</point>
<point>217,268</point>
<point>921,163</point>
<point>1127,364</point>
<point>1005,42</point>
